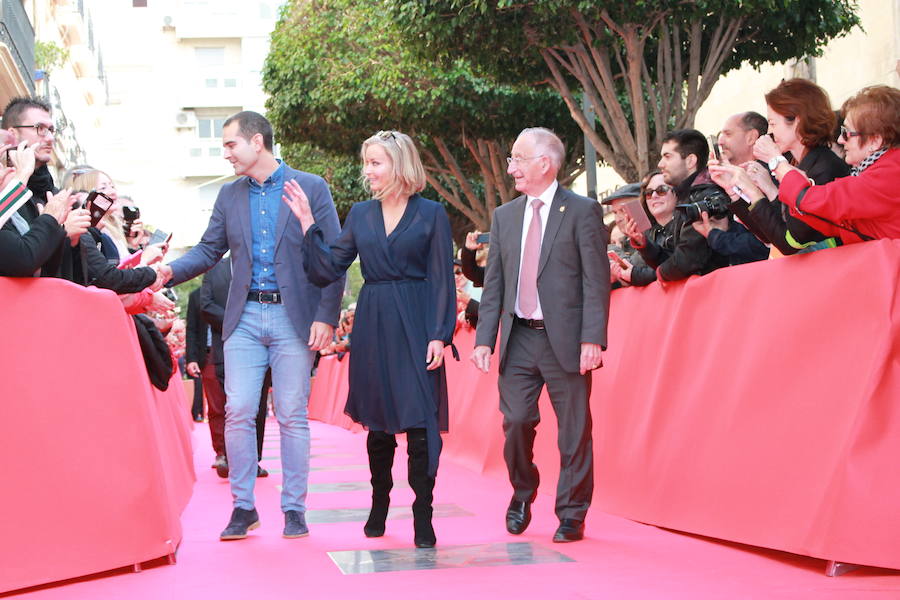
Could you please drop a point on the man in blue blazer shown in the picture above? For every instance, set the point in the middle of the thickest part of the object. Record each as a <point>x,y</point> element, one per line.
<point>273,317</point>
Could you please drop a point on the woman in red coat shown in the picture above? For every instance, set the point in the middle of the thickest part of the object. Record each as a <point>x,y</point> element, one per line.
<point>863,206</point>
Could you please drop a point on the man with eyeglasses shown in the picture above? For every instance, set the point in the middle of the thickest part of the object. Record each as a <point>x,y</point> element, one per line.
<point>547,282</point>
<point>28,120</point>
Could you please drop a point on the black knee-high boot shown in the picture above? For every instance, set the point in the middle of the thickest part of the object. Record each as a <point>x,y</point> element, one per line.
<point>380,446</point>
<point>423,485</point>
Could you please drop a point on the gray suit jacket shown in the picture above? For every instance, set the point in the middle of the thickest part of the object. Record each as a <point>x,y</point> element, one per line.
<point>573,277</point>
<point>229,228</point>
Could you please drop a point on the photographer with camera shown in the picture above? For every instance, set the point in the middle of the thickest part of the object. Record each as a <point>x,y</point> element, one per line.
<point>681,251</point>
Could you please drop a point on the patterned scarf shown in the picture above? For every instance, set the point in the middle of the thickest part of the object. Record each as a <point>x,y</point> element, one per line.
<point>867,162</point>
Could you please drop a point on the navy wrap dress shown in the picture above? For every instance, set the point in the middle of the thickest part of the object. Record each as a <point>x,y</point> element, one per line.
<point>407,300</point>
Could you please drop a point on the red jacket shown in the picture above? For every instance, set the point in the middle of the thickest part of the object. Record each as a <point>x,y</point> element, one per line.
<point>869,203</point>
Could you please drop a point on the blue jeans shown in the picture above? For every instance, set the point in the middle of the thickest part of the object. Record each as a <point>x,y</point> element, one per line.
<point>265,336</point>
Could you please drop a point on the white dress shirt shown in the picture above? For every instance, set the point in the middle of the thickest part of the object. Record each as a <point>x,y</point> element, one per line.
<point>547,198</point>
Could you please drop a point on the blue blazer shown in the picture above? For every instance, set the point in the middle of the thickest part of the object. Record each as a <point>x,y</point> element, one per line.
<point>229,229</point>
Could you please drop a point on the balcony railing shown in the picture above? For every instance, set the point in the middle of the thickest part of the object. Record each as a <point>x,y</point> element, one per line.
<point>16,32</point>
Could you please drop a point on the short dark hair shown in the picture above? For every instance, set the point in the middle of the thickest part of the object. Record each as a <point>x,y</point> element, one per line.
<point>754,120</point>
<point>690,141</point>
<point>12,114</point>
<point>249,124</point>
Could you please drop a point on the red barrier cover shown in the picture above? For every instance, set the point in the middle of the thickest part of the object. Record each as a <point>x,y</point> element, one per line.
<point>757,404</point>
<point>96,462</point>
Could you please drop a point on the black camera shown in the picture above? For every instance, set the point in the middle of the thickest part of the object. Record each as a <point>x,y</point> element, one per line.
<point>130,214</point>
<point>708,198</point>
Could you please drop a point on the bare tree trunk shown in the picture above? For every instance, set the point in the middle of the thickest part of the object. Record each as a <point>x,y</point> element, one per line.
<point>609,60</point>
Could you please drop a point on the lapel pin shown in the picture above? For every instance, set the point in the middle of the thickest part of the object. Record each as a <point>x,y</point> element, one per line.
<point>562,208</point>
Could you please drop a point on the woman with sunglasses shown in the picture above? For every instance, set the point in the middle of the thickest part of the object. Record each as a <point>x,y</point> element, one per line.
<point>862,207</point>
<point>671,242</point>
<point>405,315</point>
<point>658,201</point>
<point>800,126</point>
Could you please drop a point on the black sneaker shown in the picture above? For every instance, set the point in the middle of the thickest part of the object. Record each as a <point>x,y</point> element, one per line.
<point>241,521</point>
<point>295,524</point>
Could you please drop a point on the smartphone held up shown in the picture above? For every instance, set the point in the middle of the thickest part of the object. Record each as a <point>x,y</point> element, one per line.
<point>97,204</point>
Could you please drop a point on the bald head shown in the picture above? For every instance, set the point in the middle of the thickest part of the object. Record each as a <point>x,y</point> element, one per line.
<point>739,134</point>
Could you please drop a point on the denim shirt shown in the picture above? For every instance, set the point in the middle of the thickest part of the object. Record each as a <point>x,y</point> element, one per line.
<point>265,202</point>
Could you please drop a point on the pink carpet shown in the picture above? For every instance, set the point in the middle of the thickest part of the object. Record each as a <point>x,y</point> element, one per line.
<point>618,559</point>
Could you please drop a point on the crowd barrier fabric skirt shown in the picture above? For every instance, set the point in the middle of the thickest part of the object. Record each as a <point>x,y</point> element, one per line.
<point>96,462</point>
<point>758,404</point>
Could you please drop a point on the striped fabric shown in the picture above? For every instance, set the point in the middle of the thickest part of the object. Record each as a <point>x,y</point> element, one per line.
<point>14,195</point>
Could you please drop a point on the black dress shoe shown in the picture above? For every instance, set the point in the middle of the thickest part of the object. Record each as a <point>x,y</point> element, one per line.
<point>518,516</point>
<point>241,522</point>
<point>260,472</point>
<point>569,530</point>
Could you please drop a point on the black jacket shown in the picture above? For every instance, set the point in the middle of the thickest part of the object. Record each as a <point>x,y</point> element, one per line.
<point>470,268</point>
<point>23,255</point>
<point>771,222</point>
<point>195,331</point>
<point>101,273</point>
<point>213,296</point>
<point>43,246</point>
<point>677,251</point>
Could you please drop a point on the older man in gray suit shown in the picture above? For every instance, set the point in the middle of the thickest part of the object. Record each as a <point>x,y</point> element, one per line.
<point>547,283</point>
<point>273,316</point>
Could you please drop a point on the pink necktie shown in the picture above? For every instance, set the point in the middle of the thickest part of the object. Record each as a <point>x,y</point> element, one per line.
<point>528,271</point>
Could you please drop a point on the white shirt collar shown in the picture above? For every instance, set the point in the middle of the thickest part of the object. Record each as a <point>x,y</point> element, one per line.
<point>547,195</point>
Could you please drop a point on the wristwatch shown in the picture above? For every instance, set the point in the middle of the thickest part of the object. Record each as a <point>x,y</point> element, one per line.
<point>775,161</point>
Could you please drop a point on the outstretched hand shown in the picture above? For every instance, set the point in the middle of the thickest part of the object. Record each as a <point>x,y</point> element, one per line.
<point>296,199</point>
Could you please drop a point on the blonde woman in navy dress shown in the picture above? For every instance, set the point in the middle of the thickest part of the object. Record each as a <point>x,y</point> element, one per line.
<point>405,315</point>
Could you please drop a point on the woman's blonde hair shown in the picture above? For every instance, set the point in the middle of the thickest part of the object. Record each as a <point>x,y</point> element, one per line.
<point>409,174</point>
<point>85,179</point>
<point>81,178</point>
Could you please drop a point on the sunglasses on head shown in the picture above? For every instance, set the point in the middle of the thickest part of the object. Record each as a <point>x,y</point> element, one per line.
<point>386,135</point>
<point>660,190</point>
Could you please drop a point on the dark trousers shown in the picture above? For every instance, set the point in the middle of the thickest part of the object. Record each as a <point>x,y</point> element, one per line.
<point>197,405</point>
<point>213,377</point>
<point>529,365</point>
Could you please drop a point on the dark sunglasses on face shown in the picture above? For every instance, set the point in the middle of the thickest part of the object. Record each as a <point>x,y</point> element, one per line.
<point>661,190</point>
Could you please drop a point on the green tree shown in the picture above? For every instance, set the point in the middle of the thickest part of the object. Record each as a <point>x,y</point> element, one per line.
<point>646,66</point>
<point>339,70</point>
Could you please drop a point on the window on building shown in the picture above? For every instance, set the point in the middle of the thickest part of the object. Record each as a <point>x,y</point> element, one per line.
<point>210,57</point>
<point>139,3</point>
<point>231,83</point>
<point>211,83</point>
<point>210,127</point>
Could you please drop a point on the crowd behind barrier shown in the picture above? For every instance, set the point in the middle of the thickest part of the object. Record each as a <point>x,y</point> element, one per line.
<point>756,404</point>
<point>97,462</point>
